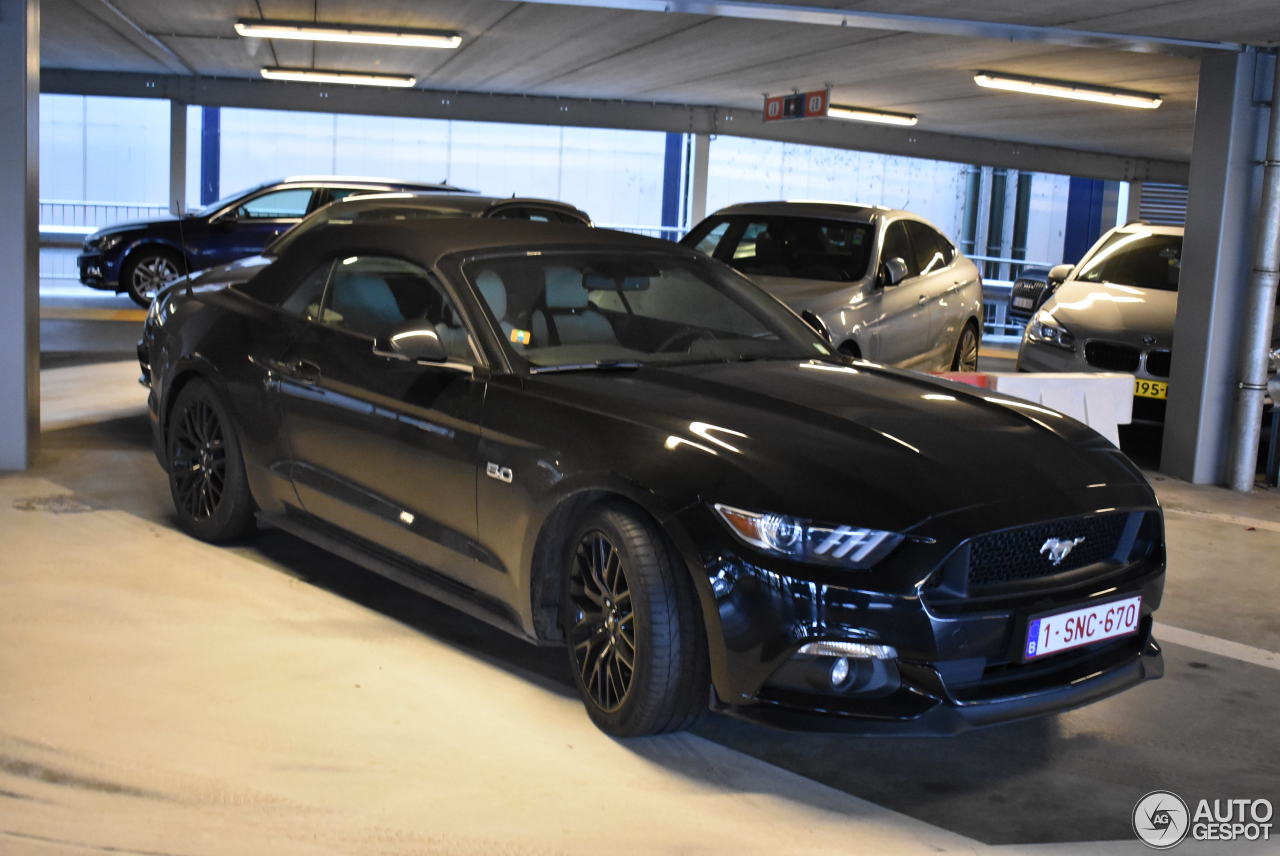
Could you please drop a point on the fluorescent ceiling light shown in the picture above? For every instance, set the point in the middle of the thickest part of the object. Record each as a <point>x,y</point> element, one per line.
<point>863,114</point>
<point>356,78</point>
<point>349,33</point>
<point>1068,89</point>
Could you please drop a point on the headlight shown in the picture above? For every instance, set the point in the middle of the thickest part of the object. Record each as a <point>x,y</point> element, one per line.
<point>102,243</point>
<point>1043,328</point>
<point>807,541</point>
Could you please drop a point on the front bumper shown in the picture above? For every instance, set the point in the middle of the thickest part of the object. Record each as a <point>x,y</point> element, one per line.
<point>96,271</point>
<point>958,663</point>
<point>940,717</point>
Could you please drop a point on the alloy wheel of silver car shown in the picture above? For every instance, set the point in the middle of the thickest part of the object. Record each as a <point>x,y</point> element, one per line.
<point>966,359</point>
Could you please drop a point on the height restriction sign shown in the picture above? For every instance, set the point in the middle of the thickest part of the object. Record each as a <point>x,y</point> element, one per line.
<point>800,105</point>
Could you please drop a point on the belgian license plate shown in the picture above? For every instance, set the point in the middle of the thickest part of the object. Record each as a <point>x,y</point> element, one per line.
<point>1062,631</point>
<point>1150,388</point>
<point>1022,303</point>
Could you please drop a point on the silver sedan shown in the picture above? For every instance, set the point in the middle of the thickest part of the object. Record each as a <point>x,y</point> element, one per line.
<point>887,284</point>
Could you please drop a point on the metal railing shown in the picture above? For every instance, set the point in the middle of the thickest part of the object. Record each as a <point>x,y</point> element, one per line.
<point>667,232</point>
<point>71,216</point>
<point>1003,267</point>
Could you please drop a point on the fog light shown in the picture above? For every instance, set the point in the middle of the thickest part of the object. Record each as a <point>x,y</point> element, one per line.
<point>839,672</point>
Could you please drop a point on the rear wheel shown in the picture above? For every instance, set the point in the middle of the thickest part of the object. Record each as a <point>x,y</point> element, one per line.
<point>147,271</point>
<point>965,358</point>
<point>630,618</point>
<point>206,472</point>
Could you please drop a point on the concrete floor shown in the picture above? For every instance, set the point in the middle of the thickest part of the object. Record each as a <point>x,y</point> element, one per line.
<point>164,697</point>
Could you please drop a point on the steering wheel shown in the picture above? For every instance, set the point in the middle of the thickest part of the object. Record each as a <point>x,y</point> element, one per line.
<point>686,338</point>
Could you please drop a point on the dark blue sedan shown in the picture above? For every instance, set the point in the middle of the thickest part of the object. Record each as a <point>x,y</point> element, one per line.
<point>138,258</point>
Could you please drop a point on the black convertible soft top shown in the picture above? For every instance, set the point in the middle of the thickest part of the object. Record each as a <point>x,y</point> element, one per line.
<point>426,242</point>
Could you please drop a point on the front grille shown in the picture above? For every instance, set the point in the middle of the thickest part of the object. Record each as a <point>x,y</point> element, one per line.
<point>1016,555</point>
<point>1106,355</point>
<point>1158,363</point>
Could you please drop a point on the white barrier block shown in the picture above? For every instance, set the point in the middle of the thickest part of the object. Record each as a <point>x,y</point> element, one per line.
<point>1102,400</point>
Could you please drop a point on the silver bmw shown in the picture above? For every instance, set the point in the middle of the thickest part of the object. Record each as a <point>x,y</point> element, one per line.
<point>1114,311</point>
<point>887,284</point>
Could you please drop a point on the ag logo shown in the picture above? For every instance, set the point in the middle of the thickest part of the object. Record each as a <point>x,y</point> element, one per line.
<point>1161,820</point>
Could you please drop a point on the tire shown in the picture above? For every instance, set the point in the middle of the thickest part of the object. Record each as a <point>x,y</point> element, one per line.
<point>206,470</point>
<point>626,597</point>
<point>147,270</point>
<point>966,355</point>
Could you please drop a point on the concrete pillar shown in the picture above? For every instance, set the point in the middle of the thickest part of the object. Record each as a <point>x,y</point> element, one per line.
<point>1010,222</point>
<point>177,157</point>
<point>19,233</point>
<point>699,166</point>
<point>1216,261</point>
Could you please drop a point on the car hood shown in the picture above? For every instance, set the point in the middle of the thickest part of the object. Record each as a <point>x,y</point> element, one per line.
<point>859,444</point>
<point>134,225</point>
<point>241,270</point>
<point>1123,312</point>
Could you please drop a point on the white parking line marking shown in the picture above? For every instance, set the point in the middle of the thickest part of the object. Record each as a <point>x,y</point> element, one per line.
<point>1255,522</point>
<point>1214,645</point>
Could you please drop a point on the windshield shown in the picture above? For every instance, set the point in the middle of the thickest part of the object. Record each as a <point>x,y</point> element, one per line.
<point>215,207</point>
<point>786,246</point>
<point>1140,259</point>
<point>590,310</point>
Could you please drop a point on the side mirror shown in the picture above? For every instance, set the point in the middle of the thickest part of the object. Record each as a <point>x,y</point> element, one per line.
<point>225,219</point>
<point>1058,273</point>
<point>893,271</point>
<point>412,341</point>
<point>811,318</point>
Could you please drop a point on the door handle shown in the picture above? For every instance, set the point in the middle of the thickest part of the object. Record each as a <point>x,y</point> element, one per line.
<point>922,299</point>
<point>305,371</point>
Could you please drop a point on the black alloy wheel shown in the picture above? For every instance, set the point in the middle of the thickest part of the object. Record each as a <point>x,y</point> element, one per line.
<point>630,618</point>
<point>603,638</point>
<point>206,473</point>
<point>966,356</point>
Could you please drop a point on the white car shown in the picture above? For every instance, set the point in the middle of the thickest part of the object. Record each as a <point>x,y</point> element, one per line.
<point>887,284</point>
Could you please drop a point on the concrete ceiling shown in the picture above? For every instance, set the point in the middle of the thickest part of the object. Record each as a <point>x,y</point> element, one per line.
<point>610,53</point>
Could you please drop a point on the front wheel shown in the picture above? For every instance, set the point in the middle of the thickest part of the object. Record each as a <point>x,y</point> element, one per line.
<point>965,358</point>
<point>147,271</point>
<point>630,618</point>
<point>206,471</point>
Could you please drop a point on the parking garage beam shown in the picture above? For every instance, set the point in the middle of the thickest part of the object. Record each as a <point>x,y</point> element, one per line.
<point>19,234</point>
<point>1216,262</point>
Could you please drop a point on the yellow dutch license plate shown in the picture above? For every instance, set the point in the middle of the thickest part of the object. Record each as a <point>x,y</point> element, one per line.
<point>1150,388</point>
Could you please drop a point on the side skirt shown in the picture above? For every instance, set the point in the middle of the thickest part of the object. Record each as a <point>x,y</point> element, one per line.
<point>398,569</point>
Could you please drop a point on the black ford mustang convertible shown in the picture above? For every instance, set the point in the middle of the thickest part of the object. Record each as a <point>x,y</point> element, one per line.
<point>621,446</point>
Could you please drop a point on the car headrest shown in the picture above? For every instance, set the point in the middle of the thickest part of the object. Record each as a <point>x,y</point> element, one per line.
<point>564,289</point>
<point>494,292</point>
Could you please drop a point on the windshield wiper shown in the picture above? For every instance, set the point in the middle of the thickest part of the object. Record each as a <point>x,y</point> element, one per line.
<point>597,365</point>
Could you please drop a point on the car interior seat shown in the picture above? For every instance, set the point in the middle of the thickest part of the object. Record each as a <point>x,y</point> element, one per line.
<point>770,256</point>
<point>366,303</point>
<point>567,317</point>
<point>494,292</point>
